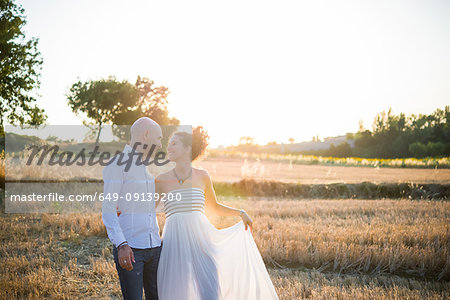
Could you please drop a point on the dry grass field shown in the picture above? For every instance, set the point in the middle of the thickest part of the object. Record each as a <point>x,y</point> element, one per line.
<point>232,169</point>
<point>223,169</point>
<point>316,249</point>
<point>302,159</point>
<point>313,248</point>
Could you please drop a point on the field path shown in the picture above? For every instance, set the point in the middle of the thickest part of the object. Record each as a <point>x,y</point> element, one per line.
<point>234,169</point>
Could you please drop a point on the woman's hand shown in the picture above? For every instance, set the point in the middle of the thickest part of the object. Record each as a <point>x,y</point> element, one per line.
<point>247,220</point>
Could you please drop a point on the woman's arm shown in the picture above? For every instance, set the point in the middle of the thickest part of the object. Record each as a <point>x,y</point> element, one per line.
<point>221,209</point>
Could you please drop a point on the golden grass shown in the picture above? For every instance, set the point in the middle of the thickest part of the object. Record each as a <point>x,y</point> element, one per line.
<point>318,249</point>
<point>294,284</point>
<point>368,236</point>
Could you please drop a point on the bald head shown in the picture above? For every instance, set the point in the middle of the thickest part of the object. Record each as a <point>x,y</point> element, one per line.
<point>141,125</point>
<point>147,132</point>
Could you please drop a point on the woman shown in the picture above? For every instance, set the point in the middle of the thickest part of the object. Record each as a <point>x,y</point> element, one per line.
<point>197,260</point>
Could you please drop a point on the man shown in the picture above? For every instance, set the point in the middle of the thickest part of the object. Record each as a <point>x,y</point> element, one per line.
<point>132,225</point>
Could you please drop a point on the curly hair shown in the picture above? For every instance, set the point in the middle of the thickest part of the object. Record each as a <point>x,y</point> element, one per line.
<point>198,140</point>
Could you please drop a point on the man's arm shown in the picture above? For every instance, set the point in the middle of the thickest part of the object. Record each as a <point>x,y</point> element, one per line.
<point>113,180</point>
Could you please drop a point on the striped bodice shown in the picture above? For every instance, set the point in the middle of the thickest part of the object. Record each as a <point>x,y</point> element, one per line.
<point>184,200</point>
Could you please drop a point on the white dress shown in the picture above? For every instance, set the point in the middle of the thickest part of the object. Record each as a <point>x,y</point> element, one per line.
<point>199,261</point>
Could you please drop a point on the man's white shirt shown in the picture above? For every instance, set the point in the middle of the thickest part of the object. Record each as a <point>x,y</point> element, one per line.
<point>136,222</point>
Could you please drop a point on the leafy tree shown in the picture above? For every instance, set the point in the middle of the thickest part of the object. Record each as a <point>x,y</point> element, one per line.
<point>246,140</point>
<point>435,149</point>
<point>20,65</point>
<point>364,139</point>
<point>108,101</point>
<point>341,150</point>
<point>151,101</point>
<point>418,150</point>
<point>402,136</point>
<point>100,100</point>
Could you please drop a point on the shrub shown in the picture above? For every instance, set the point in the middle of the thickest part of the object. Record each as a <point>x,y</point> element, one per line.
<point>418,150</point>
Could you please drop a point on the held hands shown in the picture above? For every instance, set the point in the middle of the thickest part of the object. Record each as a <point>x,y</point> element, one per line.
<point>246,219</point>
<point>126,257</point>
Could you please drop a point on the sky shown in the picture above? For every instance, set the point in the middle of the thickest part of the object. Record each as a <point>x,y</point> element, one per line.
<point>271,70</point>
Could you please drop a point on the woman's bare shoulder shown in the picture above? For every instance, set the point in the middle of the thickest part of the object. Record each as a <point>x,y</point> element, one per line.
<point>203,174</point>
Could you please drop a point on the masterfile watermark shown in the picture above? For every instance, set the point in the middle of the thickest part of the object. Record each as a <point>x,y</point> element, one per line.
<point>104,158</point>
<point>58,197</point>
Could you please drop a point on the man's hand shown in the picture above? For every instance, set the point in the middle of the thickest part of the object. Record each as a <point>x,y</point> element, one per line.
<point>126,257</point>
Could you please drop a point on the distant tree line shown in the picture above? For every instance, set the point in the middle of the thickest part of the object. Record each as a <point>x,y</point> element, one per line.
<point>398,136</point>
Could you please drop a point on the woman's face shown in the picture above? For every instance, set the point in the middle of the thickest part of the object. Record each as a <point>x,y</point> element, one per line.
<point>176,149</point>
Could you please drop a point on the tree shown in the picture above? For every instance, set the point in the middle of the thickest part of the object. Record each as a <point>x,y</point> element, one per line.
<point>361,126</point>
<point>291,140</point>
<point>101,100</point>
<point>402,136</point>
<point>151,102</point>
<point>19,69</point>
<point>418,150</point>
<point>246,140</point>
<point>389,131</point>
<point>108,101</point>
<point>341,150</point>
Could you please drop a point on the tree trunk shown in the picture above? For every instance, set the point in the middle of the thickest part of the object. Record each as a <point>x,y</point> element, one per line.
<point>98,135</point>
